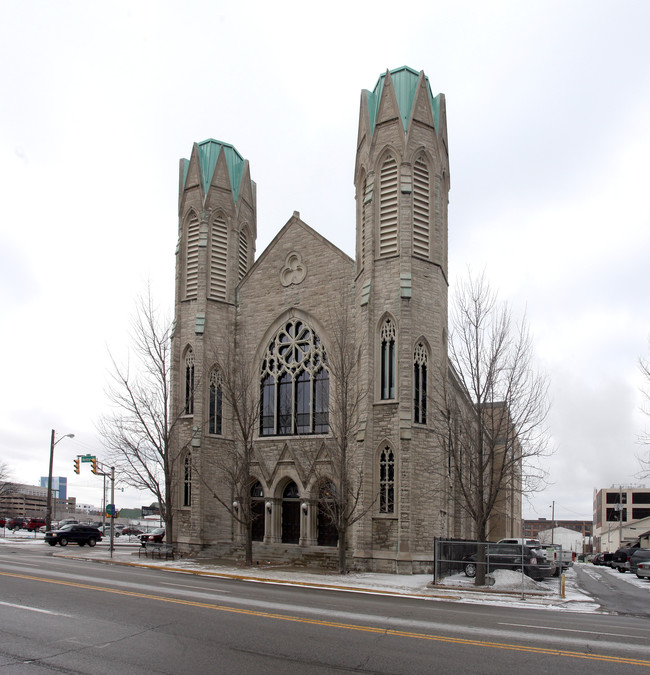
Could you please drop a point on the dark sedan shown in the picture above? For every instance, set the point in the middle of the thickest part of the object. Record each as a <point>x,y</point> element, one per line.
<point>512,557</point>
<point>75,534</point>
<point>155,536</point>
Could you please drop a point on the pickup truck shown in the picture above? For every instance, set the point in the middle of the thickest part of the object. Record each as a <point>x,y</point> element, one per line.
<point>562,558</point>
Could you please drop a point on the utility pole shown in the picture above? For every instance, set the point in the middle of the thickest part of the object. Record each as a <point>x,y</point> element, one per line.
<point>552,522</point>
<point>113,503</point>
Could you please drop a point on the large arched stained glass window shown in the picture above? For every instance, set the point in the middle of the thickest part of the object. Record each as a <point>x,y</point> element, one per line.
<point>294,395</point>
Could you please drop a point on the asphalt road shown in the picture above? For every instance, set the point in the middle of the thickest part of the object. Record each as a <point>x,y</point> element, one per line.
<point>69,616</point>
<point>613,592</point>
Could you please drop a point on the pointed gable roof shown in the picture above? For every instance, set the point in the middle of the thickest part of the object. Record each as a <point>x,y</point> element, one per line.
<point>208,155</point>
<point>405,83</point>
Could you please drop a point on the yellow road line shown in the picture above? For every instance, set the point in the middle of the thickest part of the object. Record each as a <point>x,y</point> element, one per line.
<point>335,624</point>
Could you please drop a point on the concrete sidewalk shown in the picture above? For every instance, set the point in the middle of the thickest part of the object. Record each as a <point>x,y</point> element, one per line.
<point>456,589</point>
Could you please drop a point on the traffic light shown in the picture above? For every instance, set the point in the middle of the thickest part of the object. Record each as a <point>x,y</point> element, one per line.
<point>94,465</point>
<point>76,466</point>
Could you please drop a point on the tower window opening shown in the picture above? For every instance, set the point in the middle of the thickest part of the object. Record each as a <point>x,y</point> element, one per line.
<point>387,481</point>
<point>189,382</point>
<point>388,360</point>
<point>420,385</point>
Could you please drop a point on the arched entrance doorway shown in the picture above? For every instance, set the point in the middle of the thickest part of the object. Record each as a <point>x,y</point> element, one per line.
<point>257,512</point>
<point>327,532</point>
<point>291,514</point>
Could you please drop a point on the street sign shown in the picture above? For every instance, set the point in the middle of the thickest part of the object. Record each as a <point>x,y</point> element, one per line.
<point>87,458</point>
<point>110,509</point>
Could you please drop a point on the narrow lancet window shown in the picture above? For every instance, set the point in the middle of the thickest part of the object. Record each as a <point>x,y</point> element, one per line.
<point>388,360</point>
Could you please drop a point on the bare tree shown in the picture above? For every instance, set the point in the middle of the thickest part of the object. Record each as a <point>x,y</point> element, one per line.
<point>137,435</point>
<point>238,383</point>
<point>6,486</point>
<point>342,490</point>
<point>493,410</point>
<point>644,439</point>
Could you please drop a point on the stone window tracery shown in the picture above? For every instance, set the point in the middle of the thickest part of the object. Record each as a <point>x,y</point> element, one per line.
<point>420,384</point>
<point>294,386</point>
<point>387,481</point>
<point>187,480</point>
<point>189,382</point>
<point>215,404</point>
<point>388,360</point>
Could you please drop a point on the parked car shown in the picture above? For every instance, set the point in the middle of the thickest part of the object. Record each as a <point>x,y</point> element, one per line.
<point>512,557</point>
<point>156,535</point>
<point>643,569</point>
<point>34,524</point>
<point>602,559</point>
<point>621,558</point>
<point>533,543</point>
<point>3,522</point>
<point>106,531</point>
<point>128,531</point>
<point>639,555</point>
<point>67,521</point>
<point>16,524</point>
<point>73,533</point>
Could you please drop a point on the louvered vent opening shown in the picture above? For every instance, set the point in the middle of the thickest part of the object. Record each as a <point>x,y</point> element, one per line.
<point>364,223</point>
<point>388,208</point>
<point>243,255</point>
<point>421,208</point>
<point>218,258</point>
<point>192,270</point>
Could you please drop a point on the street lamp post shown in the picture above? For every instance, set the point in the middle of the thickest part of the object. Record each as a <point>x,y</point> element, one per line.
<point>48,514</point>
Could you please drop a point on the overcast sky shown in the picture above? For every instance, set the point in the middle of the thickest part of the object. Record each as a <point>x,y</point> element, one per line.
<point>548,107</point>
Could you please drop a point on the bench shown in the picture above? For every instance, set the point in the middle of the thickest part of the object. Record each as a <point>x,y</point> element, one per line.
<point>151,548</point>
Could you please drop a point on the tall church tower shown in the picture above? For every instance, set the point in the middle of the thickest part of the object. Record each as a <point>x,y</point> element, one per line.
<point>216,248</point>
<point>402,184</point>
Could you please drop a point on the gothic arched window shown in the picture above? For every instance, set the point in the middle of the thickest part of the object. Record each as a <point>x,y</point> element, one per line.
<point>187,480</point>
<point>387,481</point>
<point>215,407</point>
<point>420,384</point>
<point>294,386</point>
<point>189,382</point>
<point>388,360</point>
<point>421,209</point>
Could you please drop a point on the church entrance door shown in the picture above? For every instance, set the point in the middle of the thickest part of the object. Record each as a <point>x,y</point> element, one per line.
<point>291,514</point>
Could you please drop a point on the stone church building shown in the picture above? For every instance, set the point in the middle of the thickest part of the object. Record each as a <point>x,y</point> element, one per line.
<point>281,315</point>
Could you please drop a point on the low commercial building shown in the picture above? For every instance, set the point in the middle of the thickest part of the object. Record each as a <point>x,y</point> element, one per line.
<point>621,514</point>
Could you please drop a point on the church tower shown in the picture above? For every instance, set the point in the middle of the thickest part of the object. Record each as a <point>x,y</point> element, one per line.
<point>216,248</point>
<point>402,184</point>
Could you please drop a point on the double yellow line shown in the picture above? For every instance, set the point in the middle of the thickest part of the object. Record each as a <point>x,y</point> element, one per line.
<point>336,624</point>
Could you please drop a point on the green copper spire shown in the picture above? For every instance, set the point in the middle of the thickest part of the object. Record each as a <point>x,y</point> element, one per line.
<point>405,82</point>
<point>209,154</point>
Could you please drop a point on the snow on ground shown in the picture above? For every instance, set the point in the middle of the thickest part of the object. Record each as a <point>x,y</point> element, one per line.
<point>507,589</point>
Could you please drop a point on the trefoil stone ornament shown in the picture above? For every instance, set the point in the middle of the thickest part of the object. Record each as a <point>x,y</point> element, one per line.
<point>294,270</point>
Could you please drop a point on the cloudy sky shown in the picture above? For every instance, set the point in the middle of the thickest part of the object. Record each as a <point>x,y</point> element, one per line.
<point>548,108</point>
